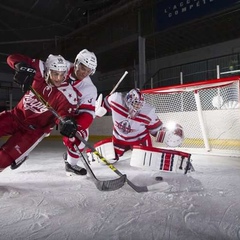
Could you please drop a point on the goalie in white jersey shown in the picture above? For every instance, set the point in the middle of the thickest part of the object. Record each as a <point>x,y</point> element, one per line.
<point>134,120</point>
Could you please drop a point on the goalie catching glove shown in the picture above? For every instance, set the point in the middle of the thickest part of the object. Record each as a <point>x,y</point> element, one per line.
<point>24,75</point>
<point>171,134</point>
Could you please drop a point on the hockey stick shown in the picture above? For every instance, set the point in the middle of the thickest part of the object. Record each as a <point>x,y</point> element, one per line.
<point>118,83</point>
<point>113,168</point>
<point>87,144</point>
<point>102,185</point>
<point>99,110</point>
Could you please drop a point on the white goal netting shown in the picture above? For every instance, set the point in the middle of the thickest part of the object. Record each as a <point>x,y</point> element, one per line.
<point>208,111</point>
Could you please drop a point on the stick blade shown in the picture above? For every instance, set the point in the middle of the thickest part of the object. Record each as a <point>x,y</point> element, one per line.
<point>111,185</point>
<point>138,189</point>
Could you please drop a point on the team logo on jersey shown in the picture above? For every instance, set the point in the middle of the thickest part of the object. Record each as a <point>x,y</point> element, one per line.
<point>124,126</point>
<point>32,104</point>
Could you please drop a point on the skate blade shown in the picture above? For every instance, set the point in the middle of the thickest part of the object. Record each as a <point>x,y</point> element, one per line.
<point>71,174</point>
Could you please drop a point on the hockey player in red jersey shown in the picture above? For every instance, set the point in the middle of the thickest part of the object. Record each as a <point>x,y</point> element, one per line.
<point>30,120</point>
<point>84,66</point>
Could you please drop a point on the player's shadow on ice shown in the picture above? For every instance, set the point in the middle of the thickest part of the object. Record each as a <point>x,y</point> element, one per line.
<point>183,183</point>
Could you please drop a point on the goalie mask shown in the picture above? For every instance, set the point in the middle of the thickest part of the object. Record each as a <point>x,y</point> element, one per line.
<point>134,101</point>
<point>55,64</point>
<point>86,58</point>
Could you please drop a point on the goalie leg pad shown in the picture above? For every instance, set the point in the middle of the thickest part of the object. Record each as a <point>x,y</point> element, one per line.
<point>105,148</point>
<point>158,159</point>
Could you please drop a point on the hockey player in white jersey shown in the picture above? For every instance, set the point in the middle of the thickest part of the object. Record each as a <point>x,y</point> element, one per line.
<point>84,66</point>
<point>134,120</point>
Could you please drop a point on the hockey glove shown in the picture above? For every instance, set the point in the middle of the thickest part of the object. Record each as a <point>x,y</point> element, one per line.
<point>69,127</point>
<point>24,75</point>
<point>70,142</point>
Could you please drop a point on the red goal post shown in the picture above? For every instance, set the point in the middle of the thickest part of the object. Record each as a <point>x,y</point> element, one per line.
<point>208,111</point>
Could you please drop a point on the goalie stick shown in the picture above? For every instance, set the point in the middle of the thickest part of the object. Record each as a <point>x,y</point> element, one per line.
<point>118,83</point>
<point>87,144</point>
<point>99,110</point>
<point>102,185</point>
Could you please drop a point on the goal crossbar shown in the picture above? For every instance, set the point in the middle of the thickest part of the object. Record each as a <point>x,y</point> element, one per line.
<point>193,86</point>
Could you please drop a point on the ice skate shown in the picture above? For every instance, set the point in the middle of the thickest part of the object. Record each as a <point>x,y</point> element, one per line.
<point>17,164</point>
<point>72,170</point>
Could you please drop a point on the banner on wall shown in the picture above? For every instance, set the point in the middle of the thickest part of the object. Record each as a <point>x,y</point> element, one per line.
<point>174,12</point>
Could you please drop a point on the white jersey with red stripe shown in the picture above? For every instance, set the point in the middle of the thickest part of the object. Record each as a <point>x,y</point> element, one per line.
<point>127,129</point>
<point>87,94</point>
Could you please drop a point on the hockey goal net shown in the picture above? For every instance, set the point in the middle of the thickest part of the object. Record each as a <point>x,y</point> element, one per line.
<point>208,111</point>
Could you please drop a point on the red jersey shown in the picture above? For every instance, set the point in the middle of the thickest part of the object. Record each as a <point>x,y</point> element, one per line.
<point>30,110</point>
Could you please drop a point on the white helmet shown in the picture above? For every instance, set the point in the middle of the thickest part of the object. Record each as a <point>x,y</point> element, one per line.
<point>134,101</point>
<point>56,63</point>
<point>88,59</point>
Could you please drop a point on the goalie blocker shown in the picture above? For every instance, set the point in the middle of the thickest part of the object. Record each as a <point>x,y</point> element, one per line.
<point>152,158</point>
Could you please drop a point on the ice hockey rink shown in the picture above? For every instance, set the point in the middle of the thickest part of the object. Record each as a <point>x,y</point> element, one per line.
<point>38,201</point>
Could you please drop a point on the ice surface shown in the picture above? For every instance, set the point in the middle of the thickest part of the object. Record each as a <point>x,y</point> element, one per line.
<point>38,201</point>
